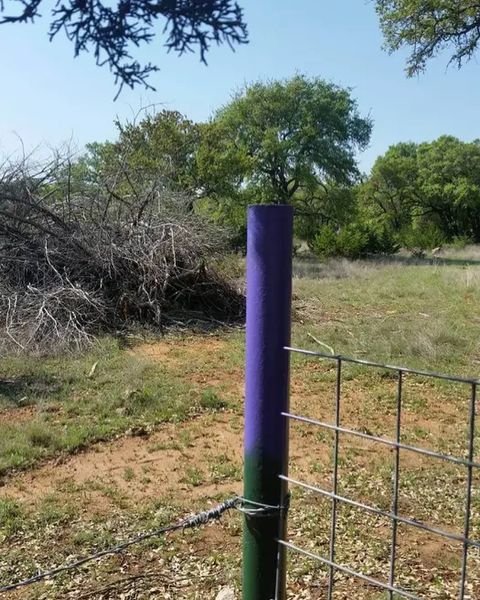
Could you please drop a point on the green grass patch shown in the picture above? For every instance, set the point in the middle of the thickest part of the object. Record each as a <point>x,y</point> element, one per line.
<point>125,392</point>
<point>420,316</point>
<point>210,400</point>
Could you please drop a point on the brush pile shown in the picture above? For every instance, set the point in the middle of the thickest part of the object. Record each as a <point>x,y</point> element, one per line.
<point>80,256</point>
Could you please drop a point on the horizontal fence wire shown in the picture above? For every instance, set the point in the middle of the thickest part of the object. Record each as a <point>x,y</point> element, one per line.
<point>383,513</point>
<point>374,438</point>
<point>379,365</point>
<point>351,572</point>
<point>393,515</point>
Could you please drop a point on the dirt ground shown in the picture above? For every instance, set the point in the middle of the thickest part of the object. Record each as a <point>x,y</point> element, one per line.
<point>201,459</point>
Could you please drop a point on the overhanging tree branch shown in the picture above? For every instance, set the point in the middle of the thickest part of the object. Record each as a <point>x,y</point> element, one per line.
<point>111,29</point>
<point>429,28</point>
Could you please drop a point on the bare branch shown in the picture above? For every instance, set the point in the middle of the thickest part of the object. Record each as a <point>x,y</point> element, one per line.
<point>78,261</point>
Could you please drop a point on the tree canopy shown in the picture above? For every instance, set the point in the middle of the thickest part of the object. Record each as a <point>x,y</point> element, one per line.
<point>430,184</point>
<point>158,149</point>
<point>428,28</point>
<point>111,29</point>
<point>282,140</point>
<point>292,141</point>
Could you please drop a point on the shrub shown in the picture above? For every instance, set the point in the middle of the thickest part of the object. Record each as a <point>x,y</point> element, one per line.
<point>325,242</point>
<point>459,242</point>
<point>420,238</point>
<point>356,240</point>
<point>386,242</point>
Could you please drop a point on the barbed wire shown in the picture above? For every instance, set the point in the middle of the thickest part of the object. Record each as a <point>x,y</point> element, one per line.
<point>196,520</point>
<point>202,518</point>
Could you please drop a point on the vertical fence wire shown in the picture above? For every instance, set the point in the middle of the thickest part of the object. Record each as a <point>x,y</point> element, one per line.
<point>396,482</point>
<point>468,496</point>
<point>469,463</point>
<point>333,531</point>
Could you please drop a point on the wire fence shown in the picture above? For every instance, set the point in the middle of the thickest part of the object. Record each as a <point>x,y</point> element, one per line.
<point>390,586</point>
<point>255,509</point>
<point>242,505</point>
<point>194,521</point>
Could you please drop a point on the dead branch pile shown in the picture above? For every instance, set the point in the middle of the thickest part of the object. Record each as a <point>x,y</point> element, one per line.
<point>78,257</point>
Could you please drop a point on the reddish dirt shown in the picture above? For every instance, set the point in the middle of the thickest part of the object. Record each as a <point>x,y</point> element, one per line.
<point>140,467</point>
<point>144,467</point>
<point>201,356</point>
<point>18,415</point>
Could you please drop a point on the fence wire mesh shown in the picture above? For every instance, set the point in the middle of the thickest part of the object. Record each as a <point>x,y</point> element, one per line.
<point>390,586</point>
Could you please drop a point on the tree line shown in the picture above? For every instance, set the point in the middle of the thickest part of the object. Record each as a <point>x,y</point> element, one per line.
<point>137,231</point>
<point>297,141</point>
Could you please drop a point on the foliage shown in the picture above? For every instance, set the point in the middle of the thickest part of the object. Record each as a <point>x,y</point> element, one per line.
<point>420,239</point>
<point>280,139</point>
<point>449,174</point>
<point>431,183</point>
<point>325,242</point>
<point>285,141</point>
<point>333,205</point>
<point>389,193</point>
<point>355,240</point>
<point>159,149</point>
<point>110,29</point>
<point>460,242</point>
<point>428,28</point>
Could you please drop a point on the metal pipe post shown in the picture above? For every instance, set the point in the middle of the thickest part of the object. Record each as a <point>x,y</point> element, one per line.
<point>269,292</point>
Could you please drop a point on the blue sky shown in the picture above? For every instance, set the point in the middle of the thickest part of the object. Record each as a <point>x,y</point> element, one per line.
<point>47,97</point>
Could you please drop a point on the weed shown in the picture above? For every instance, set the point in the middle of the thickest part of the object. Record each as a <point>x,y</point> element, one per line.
<point>193,476</point>
<point>12,517</point>
<point>128,474</point>
<point>209,400</point>
<point>222,468</point>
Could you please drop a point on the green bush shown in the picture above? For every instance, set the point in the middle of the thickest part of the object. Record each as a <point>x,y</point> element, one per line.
<point>356,240</point>
<point>325,243</point>
<point>420,238</point>
<point>459,242</point>
<point>386,242</point>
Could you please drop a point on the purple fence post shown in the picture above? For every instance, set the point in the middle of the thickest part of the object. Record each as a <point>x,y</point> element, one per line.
<point>269,291</point>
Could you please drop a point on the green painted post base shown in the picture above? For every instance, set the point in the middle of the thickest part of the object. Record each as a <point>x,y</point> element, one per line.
<point>263,559</point>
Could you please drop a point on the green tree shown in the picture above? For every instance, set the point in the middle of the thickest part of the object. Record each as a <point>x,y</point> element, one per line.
<point>390,193</point>
<point>428,28</point>
<point>435,183</point>
<point>449,178</point>
<point>333,206</point>
<point>282,140</point>
<point>159,148</point>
